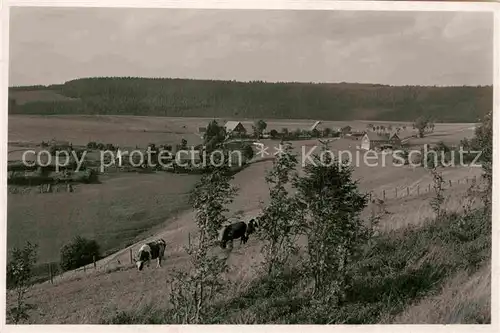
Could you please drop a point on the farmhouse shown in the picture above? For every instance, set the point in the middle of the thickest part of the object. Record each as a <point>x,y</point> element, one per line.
<point>356,135</point>
<point>373,140</point>
<point>394,139</point>
<point>315,126</point>
<point>235,128</point>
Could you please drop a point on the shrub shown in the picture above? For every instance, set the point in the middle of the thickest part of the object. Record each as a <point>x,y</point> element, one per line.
<point>79,252</point>
<point>20,279</point>
<point>334,229</point>
<point>247,151</point>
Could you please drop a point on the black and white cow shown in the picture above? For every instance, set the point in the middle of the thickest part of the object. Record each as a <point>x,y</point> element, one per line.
<point>150,251</point>
<point>237,230</point>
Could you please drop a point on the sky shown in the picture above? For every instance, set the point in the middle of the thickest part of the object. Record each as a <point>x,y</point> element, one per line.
<point>54,45</point>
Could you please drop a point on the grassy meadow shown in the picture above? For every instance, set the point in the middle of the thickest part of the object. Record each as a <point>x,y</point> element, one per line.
<point>415,266</point>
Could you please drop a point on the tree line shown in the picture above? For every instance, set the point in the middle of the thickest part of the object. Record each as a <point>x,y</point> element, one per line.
<point>256,99</point>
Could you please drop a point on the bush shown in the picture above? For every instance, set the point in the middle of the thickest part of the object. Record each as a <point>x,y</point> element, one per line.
<point>247,151</point>
<point>20,278</point>
<point>92,145</point>
<point>78,253</point>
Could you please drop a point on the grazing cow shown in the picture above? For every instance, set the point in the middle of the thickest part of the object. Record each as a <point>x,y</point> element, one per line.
<point>151,251</point>
<point>237,230</point>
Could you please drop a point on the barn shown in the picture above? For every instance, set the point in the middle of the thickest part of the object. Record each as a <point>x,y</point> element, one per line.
<point>373,140</point>
<point>235,128</point>
<point>395,140</point>
<point>316,126</point>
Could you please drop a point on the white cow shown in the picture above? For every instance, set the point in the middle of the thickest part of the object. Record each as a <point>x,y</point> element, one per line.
<point>151,251</point>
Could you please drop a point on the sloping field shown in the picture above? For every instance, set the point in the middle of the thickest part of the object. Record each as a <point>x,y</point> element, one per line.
<point>118,286</point>
<point>147,200</point>
<point>126,131</point>
<point>113,213</point>
<point>23,97</point>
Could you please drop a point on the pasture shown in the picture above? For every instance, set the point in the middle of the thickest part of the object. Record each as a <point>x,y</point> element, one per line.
<point>125,210</point>
<point>121,210</point>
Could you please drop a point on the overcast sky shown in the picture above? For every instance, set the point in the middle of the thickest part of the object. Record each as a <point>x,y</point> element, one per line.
<point>54,45</point>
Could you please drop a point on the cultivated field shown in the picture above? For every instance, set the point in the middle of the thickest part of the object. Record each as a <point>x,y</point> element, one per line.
<point>124,209</point>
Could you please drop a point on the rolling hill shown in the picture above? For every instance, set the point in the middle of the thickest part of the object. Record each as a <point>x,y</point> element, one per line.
<point>243,100</point>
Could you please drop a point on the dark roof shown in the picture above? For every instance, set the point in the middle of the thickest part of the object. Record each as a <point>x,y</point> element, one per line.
<point>232,125</point>
<point>394,134</point>
<point>376,137</point>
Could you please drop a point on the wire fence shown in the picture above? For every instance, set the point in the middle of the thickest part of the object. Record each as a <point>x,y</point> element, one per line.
<point>395,193</point>
<point>418,189</point>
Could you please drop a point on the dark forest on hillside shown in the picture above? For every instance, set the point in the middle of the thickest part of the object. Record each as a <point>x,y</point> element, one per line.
<point>231,99</point>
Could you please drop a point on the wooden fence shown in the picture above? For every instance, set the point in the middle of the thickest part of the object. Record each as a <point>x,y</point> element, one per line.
<point>92,267</point>
<point>384,194</point>
<point>401,192</point>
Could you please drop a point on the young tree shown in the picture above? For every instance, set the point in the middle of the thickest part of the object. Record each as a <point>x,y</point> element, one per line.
<point>191,291</point>
<point>247,151</point>
<point>333,225</point>
<point>420,125</point>
<point>279,222</point>
<point>20,279</point>
<point>214,135</point>
<point>483,141</point>
<point>259,127</point>
<point>297,133</point>
<point>327,132</point>
<point>79,252</point>
<point>438,199</point>
<point>346,129</point>
<point>183,143</point>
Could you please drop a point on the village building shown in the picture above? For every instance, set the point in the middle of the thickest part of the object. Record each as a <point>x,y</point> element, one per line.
<point>395,140</point>
<point>373,140</point>
<point>235,129</point>
<point>356,135</point>
<point>316,126</point>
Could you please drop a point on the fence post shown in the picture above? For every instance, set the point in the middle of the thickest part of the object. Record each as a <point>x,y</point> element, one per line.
<point>93,259</point>
<point>449,182</point>
<point>130,252</point>
<point>429,188</point>
<point>467,180</point>
<point>407,191</point>
<point>50,273</point>
<point>383,194</point>
<point>396,191</point>
<point>418,189</point>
